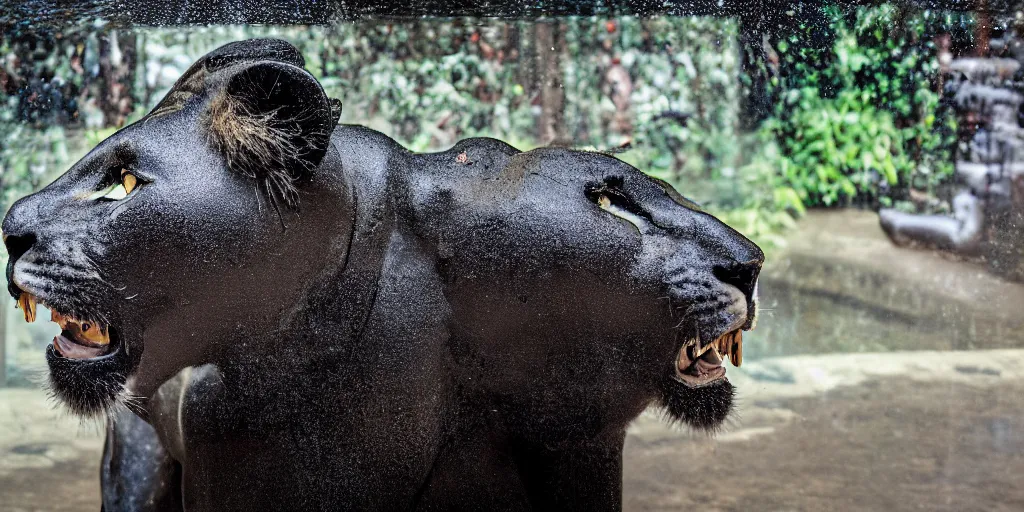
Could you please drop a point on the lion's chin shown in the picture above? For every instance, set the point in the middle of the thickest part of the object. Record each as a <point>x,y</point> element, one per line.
<point>704,407</point>
<point>88,387</point>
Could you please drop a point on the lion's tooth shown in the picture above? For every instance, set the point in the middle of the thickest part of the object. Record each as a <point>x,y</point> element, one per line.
<point>91,332</point>
<point>96,334</point>
<point>701,350</point>
<point>58,318</point>
<point>27,302</point>
<point>737,350</point>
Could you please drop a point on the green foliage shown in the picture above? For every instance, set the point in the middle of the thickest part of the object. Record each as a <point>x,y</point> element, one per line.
<point>766,205</point>
<point>839,148</point>
<point>863,129</point>
<point>28,156</point>
<point>857,119</point>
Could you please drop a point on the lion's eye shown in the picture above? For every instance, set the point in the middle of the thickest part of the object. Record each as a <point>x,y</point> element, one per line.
<point>128,181</point>
<point>119,190</point>
<point>618,205</point>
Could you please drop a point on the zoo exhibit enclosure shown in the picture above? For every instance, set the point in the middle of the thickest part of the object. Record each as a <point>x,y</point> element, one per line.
<point>726,107</point>
<point>734,106</point>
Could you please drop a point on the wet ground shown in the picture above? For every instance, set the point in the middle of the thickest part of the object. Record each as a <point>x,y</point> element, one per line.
<point>49,461</point>
<point>878,379</point>
<point>923,431</point>
<point>943,435</point>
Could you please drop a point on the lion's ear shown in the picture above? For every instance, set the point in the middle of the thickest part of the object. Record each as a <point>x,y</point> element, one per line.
<point>271,121</point>
<point>252,50</point>
<point>193,81</point>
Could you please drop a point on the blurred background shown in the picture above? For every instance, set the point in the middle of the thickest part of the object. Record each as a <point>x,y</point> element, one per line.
<point>880,377</point>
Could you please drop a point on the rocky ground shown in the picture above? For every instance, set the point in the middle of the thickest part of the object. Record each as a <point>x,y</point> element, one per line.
<point>919,410</point>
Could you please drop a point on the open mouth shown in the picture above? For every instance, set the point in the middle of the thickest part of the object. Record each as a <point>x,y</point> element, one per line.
<point>78,339</point>
<point>88,369</point>
<point>700,364</point>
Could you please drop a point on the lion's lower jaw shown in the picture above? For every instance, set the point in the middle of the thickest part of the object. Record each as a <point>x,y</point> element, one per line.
<point>704,408</point>
<point>88,388</point>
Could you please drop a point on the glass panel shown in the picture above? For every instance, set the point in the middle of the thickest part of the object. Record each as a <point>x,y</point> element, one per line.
<point>874,153</point>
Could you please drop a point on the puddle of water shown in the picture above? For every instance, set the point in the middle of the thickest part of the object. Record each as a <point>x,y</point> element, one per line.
<point>800,321</point>
<point>842,287</point>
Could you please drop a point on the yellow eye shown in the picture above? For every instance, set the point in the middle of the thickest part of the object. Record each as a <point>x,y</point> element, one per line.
<point>118,191</point>
<point>128,180</point>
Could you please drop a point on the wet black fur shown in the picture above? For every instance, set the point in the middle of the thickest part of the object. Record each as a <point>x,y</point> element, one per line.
<point>705,408</point>
<point>88,389</point>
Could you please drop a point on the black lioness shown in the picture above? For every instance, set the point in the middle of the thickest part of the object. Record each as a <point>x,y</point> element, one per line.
<point>304,316</point>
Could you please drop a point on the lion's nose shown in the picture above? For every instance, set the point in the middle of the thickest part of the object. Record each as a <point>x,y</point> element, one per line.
<point>18,235</point>
<point>17,245</point>
<point>742,275</point>
<point>19,230</point>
